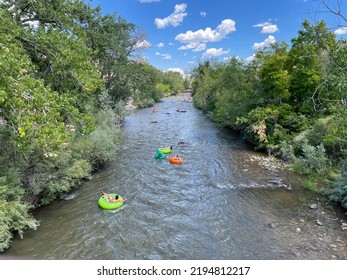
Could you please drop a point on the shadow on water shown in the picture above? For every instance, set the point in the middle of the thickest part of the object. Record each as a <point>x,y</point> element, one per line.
<point>222,203</point>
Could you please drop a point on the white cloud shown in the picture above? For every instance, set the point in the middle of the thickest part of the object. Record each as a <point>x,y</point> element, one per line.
<point>203,14</point>
<point>160,45</point>
<point>171,44</point>
<point>250,58</point>
<point>215,52</point>
<point>196,47</point>
<point>267,27</point>
<point>197,40</point>
<point>177,70</point>
<point>148,1</point>
<point>143,44</point>
<point>174,19</point>
<point>341,31</point>
<point>231,57</point>
<point>164,55</point>
<point>266,43</point>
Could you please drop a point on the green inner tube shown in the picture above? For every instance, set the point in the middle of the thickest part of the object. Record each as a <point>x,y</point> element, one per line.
<point>165,150</point>
<point>105,204</point>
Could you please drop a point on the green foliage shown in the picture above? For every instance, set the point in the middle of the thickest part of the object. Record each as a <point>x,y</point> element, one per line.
<point>66,71</point>
<point>105,138</point>
<point>331,132</point>
<point>339,191</point>
<point>164,89</point>
<point>79,169</point>
<point>275,78</point>
<point>29,108</point>
<point>14,214</point>
<point>146,77</point>
<point>337,76</point>
<point>310,185</point>
<point>269,125</point>
<point>59,170</point>
<point>307,65</point>
<point>205,86</point>
<point>289,102</point>
<point>314,158</point>
<point>174,80</point>
<point>287,152</point>
<point>234,94</point>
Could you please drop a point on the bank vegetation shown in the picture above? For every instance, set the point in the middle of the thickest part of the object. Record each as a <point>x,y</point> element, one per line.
<point>66,71</point>
<point>289,101</point>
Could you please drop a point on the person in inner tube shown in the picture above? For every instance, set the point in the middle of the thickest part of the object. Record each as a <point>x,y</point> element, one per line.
<point>174,156</point>
<point>169,148</point>
<point>112,199</point>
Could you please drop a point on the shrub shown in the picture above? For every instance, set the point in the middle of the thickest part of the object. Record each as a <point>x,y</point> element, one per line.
<point>287,151</point>
<point>105,138</point>
<point>79,169</point>
<point>14,214</point>
<point>310,185</point>
<point>339,187</point>
<point>314,158</point>
<point>144,103</point>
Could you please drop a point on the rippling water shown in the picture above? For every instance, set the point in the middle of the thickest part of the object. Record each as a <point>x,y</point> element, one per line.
<point>214,206</point>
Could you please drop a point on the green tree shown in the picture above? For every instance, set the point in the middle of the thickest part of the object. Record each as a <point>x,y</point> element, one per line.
<point>203,86</point>
<point>236,93</point>
<point>174,80</point>
<point>307,64</point>
<point>275,77</point>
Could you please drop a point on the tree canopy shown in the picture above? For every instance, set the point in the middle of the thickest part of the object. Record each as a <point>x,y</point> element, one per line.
<point>66,71</point>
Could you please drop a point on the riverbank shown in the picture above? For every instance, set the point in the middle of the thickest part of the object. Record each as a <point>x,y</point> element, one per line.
<point>318,214</point>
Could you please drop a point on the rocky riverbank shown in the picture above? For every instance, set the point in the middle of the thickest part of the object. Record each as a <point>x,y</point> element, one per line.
<point>319,215</point>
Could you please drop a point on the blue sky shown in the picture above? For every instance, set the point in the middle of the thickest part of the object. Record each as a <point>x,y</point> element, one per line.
<point>180,34</point>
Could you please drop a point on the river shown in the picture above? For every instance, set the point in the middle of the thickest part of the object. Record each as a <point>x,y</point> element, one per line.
<point>224,202</point>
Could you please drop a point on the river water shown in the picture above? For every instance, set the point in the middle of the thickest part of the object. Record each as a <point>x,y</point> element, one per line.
<point>224,202</point>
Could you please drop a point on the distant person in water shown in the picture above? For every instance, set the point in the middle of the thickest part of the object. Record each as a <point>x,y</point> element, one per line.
<point>182,143</point>
<point>162,147</point>
<point>112,199</point>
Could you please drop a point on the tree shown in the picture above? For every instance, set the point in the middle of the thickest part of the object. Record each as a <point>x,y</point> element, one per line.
<point>307,64</point>
<point>174,80</point>
<point>236,94</point>
<point>202,86</point>
<point>275,77</point>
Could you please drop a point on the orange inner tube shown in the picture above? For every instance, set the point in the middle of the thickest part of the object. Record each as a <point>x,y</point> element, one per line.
<point>176,160</point>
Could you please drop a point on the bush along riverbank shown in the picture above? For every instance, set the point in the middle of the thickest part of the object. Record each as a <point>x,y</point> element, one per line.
<point>289,102</point>
<point>62,99</point>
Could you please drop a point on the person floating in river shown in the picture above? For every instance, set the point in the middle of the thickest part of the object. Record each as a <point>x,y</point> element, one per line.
<point>174,156</point>
<point>115,199</point>
<point>182,143</point>
<point>169,148</point>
